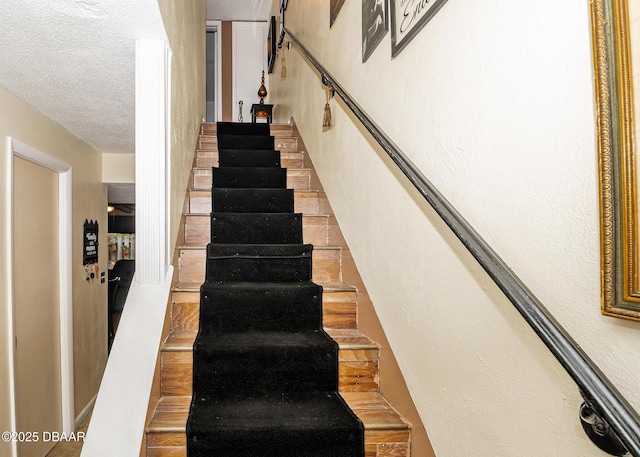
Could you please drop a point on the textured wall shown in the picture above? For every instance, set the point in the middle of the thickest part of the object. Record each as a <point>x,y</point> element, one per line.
<point>118,168</point>
<point>185,24</point>
<point>495,104</point>
<point>20,121</point>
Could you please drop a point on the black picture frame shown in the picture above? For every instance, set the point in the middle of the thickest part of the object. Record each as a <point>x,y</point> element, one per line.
<point>283,8</point>
<point>90,242</point>
<point>334,9</point>
<point>375,25</point>
<point>271,44</point>
<point>408,17</point>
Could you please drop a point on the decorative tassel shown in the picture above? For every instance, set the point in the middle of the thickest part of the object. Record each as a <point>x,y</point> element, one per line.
<point>283,70</point>
<point>326,120</point>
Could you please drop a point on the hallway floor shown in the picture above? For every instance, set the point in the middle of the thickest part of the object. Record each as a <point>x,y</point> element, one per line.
<point>70,448</point>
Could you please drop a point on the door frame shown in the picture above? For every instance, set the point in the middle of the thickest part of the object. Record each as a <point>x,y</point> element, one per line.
<point>64,170</point>
<point>217,26</point>
<point>238,30</point>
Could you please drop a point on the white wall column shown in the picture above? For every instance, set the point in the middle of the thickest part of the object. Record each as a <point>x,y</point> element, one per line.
<point>119,416</point>
<point>152,63</point>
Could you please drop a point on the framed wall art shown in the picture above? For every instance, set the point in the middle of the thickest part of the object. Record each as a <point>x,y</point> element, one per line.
<point>616,29</point>
<point>334,9</point>
<point>283,8</point>
<point>90,243</point>
<point>408,17</point>
<point>374,25</point>
<point>271,44</point>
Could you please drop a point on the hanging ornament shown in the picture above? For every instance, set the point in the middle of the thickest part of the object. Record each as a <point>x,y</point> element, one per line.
<point>283,70</point>
<point>262,91</point>
<point>326,120</point>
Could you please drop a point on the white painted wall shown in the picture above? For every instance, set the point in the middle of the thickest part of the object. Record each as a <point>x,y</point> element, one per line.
<point>185,23</point>
<point>119,168</point>
<point>249,61</point>
<point>27,131</point>
<point>495,103</point>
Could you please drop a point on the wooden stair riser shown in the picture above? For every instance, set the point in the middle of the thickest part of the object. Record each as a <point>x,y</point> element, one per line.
<point>326,265</point>
<point>307,202</point>
<point>297,179</point>
<point>338,310</point>
<point>377,444</point>
<point>316,230</point>
<point>282,144</point>
<point>289,160</point>
<point>357,371</point>
<point>382,443</point>
<point>385,435</point>
<point>210,129</point>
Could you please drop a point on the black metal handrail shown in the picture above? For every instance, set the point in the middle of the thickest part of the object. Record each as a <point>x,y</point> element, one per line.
<point>600,395</point>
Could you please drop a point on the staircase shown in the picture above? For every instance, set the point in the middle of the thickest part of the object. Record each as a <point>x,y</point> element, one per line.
<point>386,434</point>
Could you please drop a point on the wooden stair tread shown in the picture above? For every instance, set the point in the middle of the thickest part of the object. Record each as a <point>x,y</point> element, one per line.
<point>170,415</point>
<point>318,226</point>
<point>347,339</point>
<point>327,287</point>
<point>209,170</point>
<point>180,340</point>
<point>351,339</point>
<point>279,136</point>
<point>296,192</point>
<point>312,204</point>
<point>286,156</point>
<point>203,248</point>
<point>297,178</point>
<point>314,216</point>
<point>372,408</point>
<point>308,202</point>
<point>212,139</point>
<point>212,126</point>
<point>374,411</point>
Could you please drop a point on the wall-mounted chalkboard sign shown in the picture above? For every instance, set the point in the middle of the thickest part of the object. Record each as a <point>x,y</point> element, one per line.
<point>90,251</point>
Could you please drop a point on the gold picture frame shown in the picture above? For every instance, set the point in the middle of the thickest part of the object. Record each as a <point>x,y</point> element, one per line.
<point>620,278</point>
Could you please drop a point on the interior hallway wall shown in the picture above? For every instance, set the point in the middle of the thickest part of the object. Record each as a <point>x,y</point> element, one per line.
<point>391,381</point>
<point>20,121</point>
<point>227,71</point>
<point>496,106</point>
<point>185,23</point>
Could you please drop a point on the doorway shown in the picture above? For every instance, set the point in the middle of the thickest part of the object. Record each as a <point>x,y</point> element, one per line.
<point>52,177</point>
<point>38,388</point>
<point>249,61</point>
<point>213,71</point>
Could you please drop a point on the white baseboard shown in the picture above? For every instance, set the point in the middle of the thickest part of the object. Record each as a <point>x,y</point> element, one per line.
<point>86,411</point>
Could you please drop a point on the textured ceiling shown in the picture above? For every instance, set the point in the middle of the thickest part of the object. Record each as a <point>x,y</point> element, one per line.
<point>238,10</point>
<point>122,193</point>
<point>74,60</point>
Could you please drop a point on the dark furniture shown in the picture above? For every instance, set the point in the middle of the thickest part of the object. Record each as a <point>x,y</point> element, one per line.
<point>261,110</point>
<point>120,277</point>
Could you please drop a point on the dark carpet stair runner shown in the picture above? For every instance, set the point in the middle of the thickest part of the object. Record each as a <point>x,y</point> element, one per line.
<point>265,374</point>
